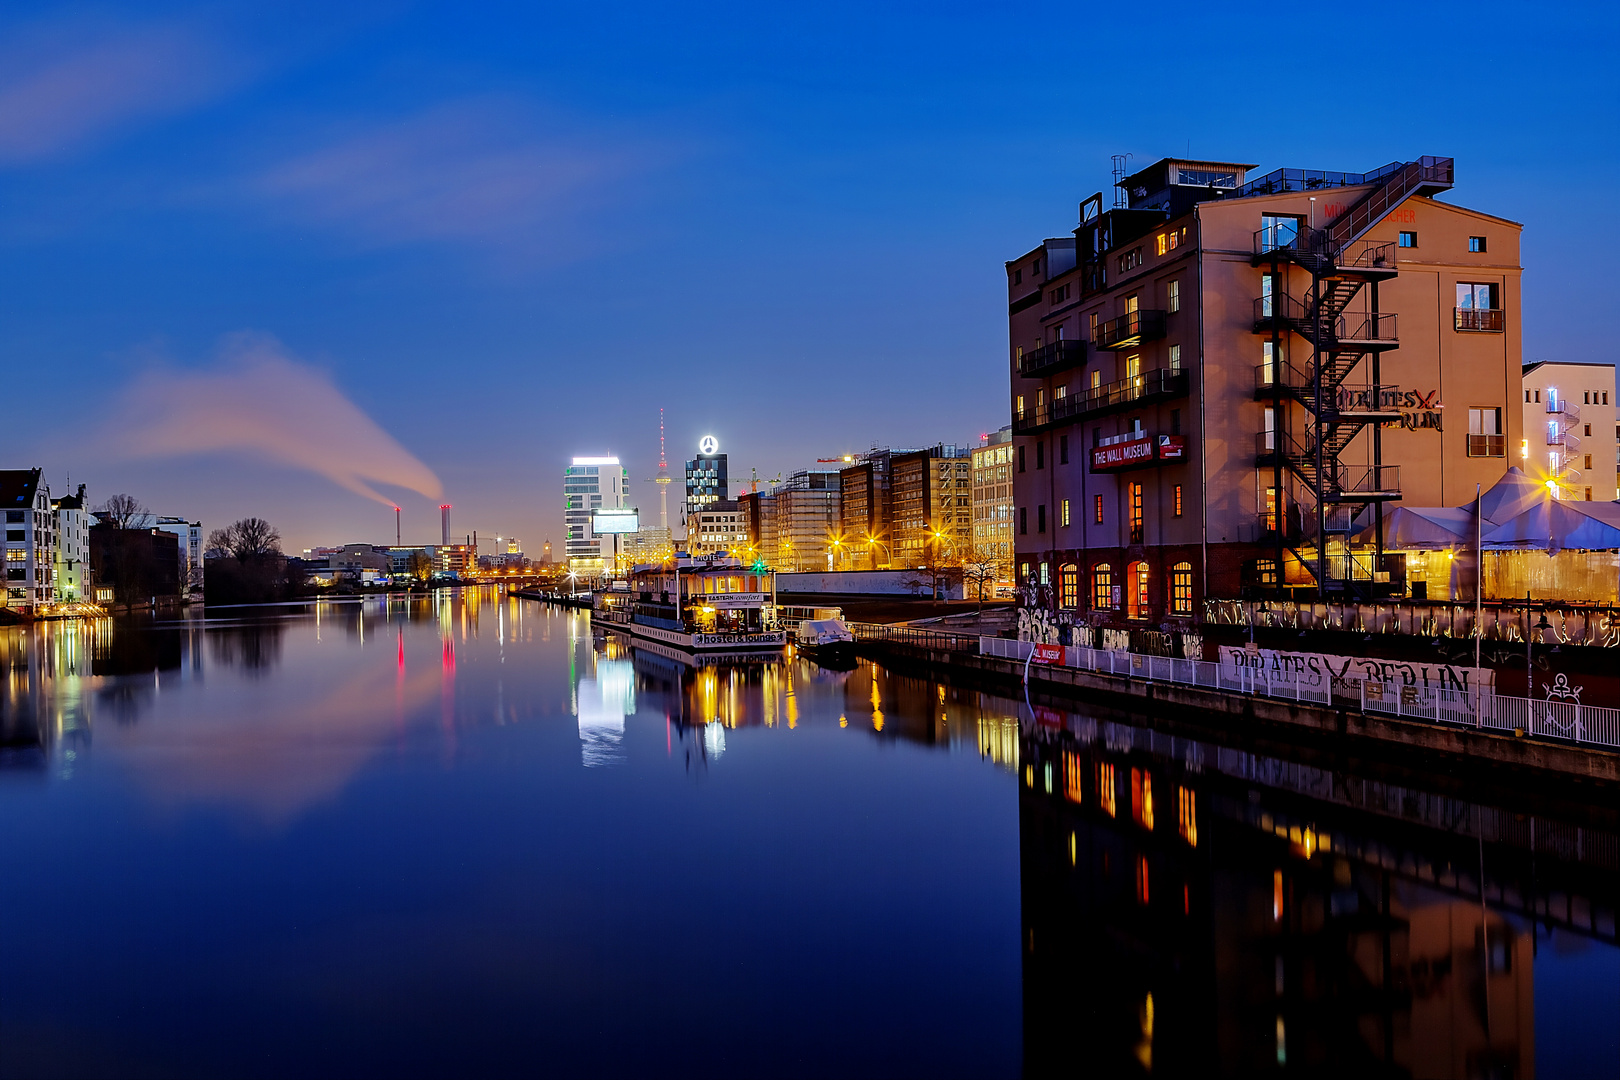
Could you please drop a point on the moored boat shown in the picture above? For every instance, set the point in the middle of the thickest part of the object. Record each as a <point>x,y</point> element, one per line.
<point>826,641</point>
<point>714,605</point>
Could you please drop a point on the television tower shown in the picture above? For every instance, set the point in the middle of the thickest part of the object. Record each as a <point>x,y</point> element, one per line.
<point>663,478</point>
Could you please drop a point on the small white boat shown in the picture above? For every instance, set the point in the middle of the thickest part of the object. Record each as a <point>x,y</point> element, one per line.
<point>827,641</point>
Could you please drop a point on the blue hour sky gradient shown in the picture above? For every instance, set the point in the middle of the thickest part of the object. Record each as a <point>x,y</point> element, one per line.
<point>507,235</point>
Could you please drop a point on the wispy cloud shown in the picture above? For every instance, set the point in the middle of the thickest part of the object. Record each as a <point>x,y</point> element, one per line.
<point>264,404</point>
<point>64,88</point>
<point>487,171</point>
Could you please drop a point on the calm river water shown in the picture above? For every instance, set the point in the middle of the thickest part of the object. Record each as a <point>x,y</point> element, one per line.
<point>461,836</point>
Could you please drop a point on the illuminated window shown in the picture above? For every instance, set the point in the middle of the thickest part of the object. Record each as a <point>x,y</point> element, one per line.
<point>1141,879</point>
<point>1065,510</point>
<point>1069,585</point>
<point>1099,514</point>
<point>1178,500</point>
<point>1277,897</point>
<point>1266,571</point>
<point>1046,577</point>
<point>1187,815</point>
<point>16,555</point>
<point>1136,584</point>
<point>1173,296</point>
<point>1018,406</point>
<point>1138,522</point>
<point>1175,358</point>
<point>1102,586</point>
<point>1162,243</point>
<point>1142,798</point>
<point>1181,588</point>
<point>1094,317</point>
<point>1105,788</point>
<point>1133,366</point>
<point>1096,379</point>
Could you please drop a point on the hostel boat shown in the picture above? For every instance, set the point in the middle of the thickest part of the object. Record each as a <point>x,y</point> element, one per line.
<point>698,606</point>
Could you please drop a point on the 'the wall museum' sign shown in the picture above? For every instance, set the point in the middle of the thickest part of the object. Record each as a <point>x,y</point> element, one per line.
<point>1136,453</point>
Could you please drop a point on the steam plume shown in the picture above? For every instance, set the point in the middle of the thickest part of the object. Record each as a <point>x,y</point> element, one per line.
<point>262,403</point>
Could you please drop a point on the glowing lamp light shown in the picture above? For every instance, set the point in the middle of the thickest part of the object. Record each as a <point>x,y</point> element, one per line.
<point>1552,485</point>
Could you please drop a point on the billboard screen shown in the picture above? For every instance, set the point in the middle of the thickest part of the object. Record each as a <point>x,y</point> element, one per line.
<point>608,522</point>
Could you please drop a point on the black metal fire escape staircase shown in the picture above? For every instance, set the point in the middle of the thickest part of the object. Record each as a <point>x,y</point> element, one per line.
<point>1341,267</point>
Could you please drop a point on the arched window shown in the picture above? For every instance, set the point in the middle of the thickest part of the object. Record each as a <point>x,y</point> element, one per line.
<point>1069,585</point>
<point>1136,591</point>
<point>1181,589</point>
<point>1102,586</point>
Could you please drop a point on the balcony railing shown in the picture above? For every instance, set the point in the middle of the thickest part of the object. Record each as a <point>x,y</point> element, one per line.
<point>1563,407</point>
<point>1058,356</point>
<point>1349,398</point>
<point>1130,330</point>
<point>1160,383</point>
<point>1487,320</point>
<point>1353,480</point>
<point>1487,445</point>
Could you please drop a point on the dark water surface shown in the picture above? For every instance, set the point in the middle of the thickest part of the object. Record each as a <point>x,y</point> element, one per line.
<point>458,836</point>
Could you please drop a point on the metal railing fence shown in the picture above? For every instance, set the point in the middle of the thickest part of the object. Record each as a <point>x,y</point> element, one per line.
<point>1566,721</point>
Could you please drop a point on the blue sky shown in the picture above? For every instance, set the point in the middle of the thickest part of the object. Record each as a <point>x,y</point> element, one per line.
<point>230,234</point>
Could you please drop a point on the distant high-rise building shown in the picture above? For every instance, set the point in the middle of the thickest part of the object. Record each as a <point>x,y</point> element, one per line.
<point>706,480</point>
<point>590,484</point>
<point>932,499</point>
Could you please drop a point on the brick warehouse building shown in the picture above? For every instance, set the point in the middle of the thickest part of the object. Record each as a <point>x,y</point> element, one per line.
<point>1219,386</point>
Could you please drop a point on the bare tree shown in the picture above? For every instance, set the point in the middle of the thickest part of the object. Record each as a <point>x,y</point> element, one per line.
<point>980,569</point>
<point>249,538</point>
<point>125,512</point>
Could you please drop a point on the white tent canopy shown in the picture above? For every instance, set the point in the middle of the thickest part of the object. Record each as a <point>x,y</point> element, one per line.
<point>1437,528</point>
<point>1553,526</point>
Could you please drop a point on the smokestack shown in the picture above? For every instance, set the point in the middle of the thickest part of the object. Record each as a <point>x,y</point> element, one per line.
<point>444,515</point>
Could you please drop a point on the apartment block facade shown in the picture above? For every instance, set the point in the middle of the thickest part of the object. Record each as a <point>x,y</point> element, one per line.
<point>31,539</point>
<point>993,507</point>
<point>1220,385</point>
<point>1571,441</point>
<point>931,501</point>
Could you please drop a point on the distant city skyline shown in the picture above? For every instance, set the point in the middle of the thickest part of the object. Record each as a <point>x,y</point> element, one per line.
<point>786,228</point>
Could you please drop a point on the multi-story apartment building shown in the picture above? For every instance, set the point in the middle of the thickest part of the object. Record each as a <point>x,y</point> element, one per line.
<point>72,577</point>
<point>864,513</point>
<point>993,501</point>
<point>1218,382</point>
<point>1570,437</point>
<point>590,484</point>
<point>191,550</point>
<point>719,528</point>
<point>31,539</point>
<point>931,500</point>
<point>807,521</point>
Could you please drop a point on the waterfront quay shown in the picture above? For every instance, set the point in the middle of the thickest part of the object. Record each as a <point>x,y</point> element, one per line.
<point>1392,716</point>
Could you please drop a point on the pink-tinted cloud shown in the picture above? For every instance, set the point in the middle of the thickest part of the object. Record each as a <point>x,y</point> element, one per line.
<point>480,171</point>
<point>263,404</point>
<point>62,90</point>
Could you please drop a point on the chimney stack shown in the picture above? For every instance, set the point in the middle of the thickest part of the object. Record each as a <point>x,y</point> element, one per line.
<point>444,515</point>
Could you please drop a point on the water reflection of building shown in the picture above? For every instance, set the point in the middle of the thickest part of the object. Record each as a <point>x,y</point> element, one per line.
<point>601,702</point>
<point>1190,908</point>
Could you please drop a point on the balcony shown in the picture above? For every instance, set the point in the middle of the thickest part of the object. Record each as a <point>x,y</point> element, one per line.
<point>1050,359</point>
<point>1481,320</point>
<point>1158,385</point>
<point>1363,483</point>
<point>1487,446</point>
<point>1130,330</point>
<point>1562,406</point>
